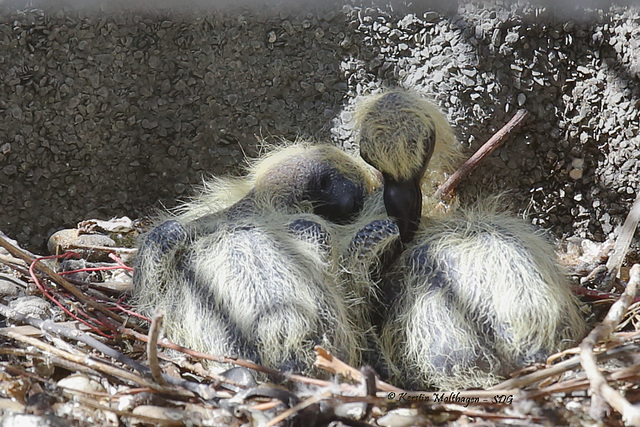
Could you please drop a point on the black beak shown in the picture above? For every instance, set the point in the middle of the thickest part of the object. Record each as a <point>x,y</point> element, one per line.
<point>403,201</point>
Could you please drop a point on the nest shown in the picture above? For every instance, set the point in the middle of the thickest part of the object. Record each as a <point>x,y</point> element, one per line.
<point>73,351</point>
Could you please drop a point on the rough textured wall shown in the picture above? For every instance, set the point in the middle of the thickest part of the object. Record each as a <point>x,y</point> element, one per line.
<point>575,167</point>
<point>110,113</point>
<point>114,112</point>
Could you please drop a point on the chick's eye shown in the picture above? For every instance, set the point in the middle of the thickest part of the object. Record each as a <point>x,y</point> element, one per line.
<point>325,182</point>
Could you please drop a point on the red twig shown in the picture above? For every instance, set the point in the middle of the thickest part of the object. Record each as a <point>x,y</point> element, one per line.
<point>599,295</point>
<point>132,313</point>
<point>120,263</point>
<point>46,293</point>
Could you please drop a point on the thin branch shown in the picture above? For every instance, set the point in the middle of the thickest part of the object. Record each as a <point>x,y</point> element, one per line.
<point>88,361</point>
<point>74,334</point>
<point>152,347</point>
<point>327,361</point>
<point>19,253</point>
<point>559,368</point>
<point>621,246</point>
<point>76,395</point>
<point>297,408</point>
<point>600,389</point>
<point>496,140</point>
<point>223,359</point>
<point>203,390</point>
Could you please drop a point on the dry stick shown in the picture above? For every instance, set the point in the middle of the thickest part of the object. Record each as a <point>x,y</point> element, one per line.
<point>621,246</point>
<point>496,140</point>
<point>624,374</point>
<point>18,253</point>
<point>205,391</point>
<point>600,389</point>
<point>515,384</point>
<point>152,347</point>
<point>88,361</point>
<point>109,249</point>
<point>75,394</point>
<point>327,361</point>
<point>74,334</point>
<point>15,263</point>
<point>65,364</point>
<point>223,359</point>
<point>297,408</point>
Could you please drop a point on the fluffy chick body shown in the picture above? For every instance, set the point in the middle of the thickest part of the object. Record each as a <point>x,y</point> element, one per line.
<point>481,295</point>
<point>475,293</point>
<point>250,268</point>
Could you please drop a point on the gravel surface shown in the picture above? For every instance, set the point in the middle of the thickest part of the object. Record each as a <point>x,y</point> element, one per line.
<point>107,112</point>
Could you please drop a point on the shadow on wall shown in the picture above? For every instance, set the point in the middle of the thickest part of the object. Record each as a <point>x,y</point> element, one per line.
<point>574,69</point>
<point>567,69</point>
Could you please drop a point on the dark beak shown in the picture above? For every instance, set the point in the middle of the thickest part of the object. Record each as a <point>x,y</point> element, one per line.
<point>403,201</point>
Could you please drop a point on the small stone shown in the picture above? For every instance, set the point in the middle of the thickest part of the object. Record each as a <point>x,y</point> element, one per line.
<point>512,38</point>
<point>8,288</point>
<point>32,306</point>
<point>577,164</point>
<point>74,239</point>
<point>10,170</point>
<point>162,413</point>
<point>569,26</point>
<point>431,16</point>
<point>81,383</point>
<point>575,174</point>
<point>522,98</point>
<point>232,99</point>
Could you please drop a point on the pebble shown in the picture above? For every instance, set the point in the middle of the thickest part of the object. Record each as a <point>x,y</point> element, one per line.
<point>33,306</point>
<point>575,174</point>
<point>522,99</point>
<point>81,383</point>
<point>75,240</point>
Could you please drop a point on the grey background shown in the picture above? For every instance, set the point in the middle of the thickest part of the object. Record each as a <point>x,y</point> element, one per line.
<point>118,108</point>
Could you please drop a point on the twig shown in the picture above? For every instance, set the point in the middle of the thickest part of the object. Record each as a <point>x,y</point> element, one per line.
<point>74,334</point>
<point>297,408</point>
<point>18,253</point>
<point>152,347</point>
<point>88,361</point>
<point>62,363</point>
<point>559,368</point>
<point>600,389</point>
<point>621,246</point>
<point>369,382</point>
<point>203,390</point>
<point>494,142</point>
<point>74,393</point>
<point>15,263</point>
<point>14,280</point>
<point>327,361</point>
<point>598,295</point>
<point>106,249</point>
<point>223,359</point>
<point>629,373</point>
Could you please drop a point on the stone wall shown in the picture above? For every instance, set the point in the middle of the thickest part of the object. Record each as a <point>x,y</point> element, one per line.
<point>107,111</point>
